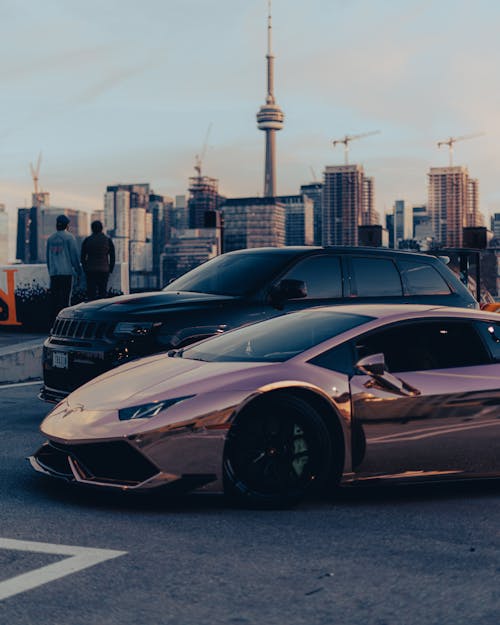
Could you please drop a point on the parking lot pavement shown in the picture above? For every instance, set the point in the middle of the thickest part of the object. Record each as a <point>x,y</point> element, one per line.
<point>374,555</point>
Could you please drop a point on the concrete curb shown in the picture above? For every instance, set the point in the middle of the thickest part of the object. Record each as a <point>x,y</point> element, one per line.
<point>21,362</point>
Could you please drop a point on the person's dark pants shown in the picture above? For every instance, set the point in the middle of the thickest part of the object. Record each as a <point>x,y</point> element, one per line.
<point>60,294</point>
<point>97,284</point>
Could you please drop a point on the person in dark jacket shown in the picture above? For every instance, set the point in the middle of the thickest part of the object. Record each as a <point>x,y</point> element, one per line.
<point>98,261</point>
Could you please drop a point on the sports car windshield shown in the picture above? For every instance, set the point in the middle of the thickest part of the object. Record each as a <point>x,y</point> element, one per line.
<point>275,340</point>
<point>231,274</point>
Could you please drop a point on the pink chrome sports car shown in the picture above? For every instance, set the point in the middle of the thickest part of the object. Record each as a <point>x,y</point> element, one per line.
<point>302,402</point>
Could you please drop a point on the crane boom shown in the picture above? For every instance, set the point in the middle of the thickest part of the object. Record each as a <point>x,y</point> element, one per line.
<point>450,142</point>
<point>199,157</point>
<point>348,138</point>
<point>35,172</point>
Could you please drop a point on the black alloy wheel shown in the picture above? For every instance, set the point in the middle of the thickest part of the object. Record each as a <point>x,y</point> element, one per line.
<point>277,450</point>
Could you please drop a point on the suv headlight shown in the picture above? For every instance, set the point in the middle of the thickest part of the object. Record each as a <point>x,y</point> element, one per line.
<point>146,411</point>
<point>134,327</point>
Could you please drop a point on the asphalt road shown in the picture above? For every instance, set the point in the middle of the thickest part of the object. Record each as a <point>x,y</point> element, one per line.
<point>377,556</point>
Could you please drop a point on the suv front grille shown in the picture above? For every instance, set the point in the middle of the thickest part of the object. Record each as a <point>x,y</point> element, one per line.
<point>75,329</point>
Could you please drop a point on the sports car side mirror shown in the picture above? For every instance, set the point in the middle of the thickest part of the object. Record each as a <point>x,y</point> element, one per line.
<point>372,365</point>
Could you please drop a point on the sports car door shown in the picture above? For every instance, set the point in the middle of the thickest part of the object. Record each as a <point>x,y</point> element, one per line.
<point>426,401</point>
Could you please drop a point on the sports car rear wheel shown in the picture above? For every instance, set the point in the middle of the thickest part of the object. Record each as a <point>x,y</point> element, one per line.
<point>276,451</point>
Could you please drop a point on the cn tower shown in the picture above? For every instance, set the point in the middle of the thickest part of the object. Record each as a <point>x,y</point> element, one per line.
<point>270,119</point>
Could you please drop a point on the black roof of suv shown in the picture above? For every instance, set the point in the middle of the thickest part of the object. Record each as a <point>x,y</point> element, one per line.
<point>232,290</point>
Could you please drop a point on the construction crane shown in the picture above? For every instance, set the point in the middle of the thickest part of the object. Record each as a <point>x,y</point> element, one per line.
<point>35,172</point>
<point>452,140</point>
<point>348,138</point>
<point>199,157</point>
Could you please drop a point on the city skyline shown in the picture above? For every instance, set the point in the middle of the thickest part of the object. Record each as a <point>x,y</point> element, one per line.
<point>129,96</point>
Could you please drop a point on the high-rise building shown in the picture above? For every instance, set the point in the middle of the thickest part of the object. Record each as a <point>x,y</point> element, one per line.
<point>299,219</point>
<point>119,201</point>
<point>26,249</point>
<point>453,203</point>
<point>4,235</point>
<point>495,225</point>
<point>270,119</point>
<point>179,216</point>
<point>29,249</point>
<point>389,226</point>
<point>422,223</point>
<point>348,202</point>
<point>186,250</point>
<point>473,216</point>
<point>368,215</point>
<point>403,221</point>
<point>138,222</point>
<point>159,209</point>
<point>204,199</point>
<point>314,190</point>
<point>253,222</point>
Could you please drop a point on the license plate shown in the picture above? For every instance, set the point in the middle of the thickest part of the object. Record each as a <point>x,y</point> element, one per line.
<point>60,360</point>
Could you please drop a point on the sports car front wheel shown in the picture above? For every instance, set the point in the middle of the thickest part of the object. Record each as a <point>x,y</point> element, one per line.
<point>276,451</point>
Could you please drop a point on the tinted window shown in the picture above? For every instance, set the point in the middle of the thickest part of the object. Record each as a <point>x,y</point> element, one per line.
<point>275,340</point>
<point>426,345</point>
<point>322,275</point>
<point>491,336</point>
<point>232,274</point>
<point>375,277</point>
<point>422,279</point>
<point>336,359</point>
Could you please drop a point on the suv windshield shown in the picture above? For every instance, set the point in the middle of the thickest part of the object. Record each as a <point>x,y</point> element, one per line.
<point>275,340</point>
<point>232,274</point>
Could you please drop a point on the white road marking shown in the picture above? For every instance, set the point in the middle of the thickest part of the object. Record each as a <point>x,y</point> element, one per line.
<point>80,558</point>
<point>20,384</point>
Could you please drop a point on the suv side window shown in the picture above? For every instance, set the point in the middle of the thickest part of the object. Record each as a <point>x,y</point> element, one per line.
<point>322,275</point>
<point>375,277</point>
<point>422,279</point>
<point>426,345</point>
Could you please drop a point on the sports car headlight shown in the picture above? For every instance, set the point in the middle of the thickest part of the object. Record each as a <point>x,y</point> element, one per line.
<point>146,411</point>
<point>134,327</point>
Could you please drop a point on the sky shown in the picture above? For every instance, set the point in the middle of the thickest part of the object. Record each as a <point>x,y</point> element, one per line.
<point>125,91</point>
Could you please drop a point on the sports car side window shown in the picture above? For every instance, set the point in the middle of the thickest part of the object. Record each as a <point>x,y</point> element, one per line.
<point>322,275</point>
<point>423,346</point>
<point>491,336</point>
<point>339,358</point>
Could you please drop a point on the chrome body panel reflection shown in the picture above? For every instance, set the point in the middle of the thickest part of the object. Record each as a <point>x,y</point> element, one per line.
<point>445,429</point>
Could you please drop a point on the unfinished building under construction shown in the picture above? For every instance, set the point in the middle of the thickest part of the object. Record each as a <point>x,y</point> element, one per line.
<point>204,202</point>
<point>348,202</point>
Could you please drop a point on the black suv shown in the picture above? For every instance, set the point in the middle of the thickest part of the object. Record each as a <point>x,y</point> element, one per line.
<point>232,290</point>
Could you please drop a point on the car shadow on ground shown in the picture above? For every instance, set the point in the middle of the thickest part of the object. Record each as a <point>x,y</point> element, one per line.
<point>351,496</point>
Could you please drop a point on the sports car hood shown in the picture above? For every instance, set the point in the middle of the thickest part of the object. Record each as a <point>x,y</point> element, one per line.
<point>144,302</point>
<point>161,377</point>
